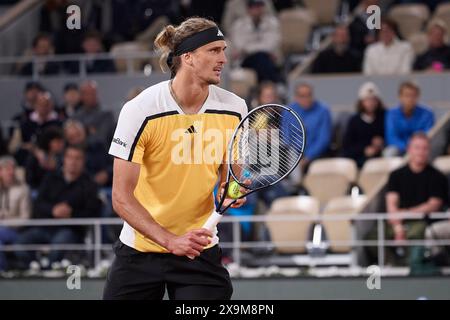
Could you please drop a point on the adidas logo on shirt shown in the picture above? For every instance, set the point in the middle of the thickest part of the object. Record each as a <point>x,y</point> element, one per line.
<point>191,129</point>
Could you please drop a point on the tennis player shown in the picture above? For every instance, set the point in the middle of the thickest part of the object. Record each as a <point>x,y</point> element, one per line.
<point>164,176</point>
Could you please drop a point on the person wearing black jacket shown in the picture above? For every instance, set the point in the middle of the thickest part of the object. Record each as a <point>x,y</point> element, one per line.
<point>437,57</point>
<point>364,136</point>
<point>339,57</point>
<point>65,194</point>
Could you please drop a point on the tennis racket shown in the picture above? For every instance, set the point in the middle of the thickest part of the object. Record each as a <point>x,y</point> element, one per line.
<point>264,149</point>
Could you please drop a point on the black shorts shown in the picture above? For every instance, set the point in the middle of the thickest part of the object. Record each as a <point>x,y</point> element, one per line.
<point>145,275</point>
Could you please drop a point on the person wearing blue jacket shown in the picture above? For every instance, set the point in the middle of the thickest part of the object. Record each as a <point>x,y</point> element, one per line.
<point>317,121</point>
<point>403,121</point>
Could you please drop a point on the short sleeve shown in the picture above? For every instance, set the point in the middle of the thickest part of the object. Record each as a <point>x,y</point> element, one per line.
<point>439,186</point>
<point>244,109</point>
<point>394,182</point>
<point>129,138</point>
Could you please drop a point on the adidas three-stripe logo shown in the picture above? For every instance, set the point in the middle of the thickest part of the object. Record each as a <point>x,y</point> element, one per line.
<point>191,129</point>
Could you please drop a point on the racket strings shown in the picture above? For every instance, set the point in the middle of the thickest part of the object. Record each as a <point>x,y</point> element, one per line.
<point>267,145</point>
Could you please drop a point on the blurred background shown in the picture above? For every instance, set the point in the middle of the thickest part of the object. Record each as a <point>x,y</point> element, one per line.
<point>362,92</point>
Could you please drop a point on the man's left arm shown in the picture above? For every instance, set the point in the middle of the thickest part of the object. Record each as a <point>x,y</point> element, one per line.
<point>433,204</point>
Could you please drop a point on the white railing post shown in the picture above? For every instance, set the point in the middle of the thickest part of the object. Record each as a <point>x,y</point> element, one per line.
<point>237,241</point>
<point>97,243</point>
<point>380,225</point>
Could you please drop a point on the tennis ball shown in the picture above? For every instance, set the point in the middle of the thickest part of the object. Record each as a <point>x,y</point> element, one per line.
<point>234,190</point>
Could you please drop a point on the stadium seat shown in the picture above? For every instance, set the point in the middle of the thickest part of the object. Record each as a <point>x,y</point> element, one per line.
<point>341,230</point>
<point>419,42</point>
<point>330,178</point>
<point>242,80</point>
<point>442,163</point>
<point>442,12</point>
<point>376,170</point>
<point>129,48</point>
<point>325,10</point>
<point>295,25</point>
<point>281,231</point>
<point>409,17</point>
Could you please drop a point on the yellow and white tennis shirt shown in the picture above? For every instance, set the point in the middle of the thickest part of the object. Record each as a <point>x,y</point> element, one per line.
<point>179,154</point>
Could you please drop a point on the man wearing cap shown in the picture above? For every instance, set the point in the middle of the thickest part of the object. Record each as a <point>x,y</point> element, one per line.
<point>364,135</point>
<point>164,178</point>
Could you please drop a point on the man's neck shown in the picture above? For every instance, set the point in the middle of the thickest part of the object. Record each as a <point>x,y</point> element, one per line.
<point>408,112</point>
<point>189,94</point>
<point>388,43</point>
<point>417,167</point>
<point>69,177</point>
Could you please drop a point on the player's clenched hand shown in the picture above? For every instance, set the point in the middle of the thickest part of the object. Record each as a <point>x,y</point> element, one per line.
<point>191,243</point>
<point>239,202</point>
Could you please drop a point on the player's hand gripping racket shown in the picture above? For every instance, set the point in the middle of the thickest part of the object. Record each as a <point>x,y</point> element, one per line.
<point>264,149</point>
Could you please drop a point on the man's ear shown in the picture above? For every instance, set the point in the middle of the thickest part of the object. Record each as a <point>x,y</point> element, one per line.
<point>187,57</point>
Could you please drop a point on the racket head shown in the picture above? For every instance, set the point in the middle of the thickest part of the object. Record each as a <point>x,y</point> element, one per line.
<point>266,146</point>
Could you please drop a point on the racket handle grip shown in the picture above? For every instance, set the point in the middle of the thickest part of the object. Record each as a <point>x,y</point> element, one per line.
<point>211,223</point>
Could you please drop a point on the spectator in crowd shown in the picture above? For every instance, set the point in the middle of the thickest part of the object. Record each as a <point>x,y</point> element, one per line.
<point>71,103</point>
<point>236,9</point>
<point>25,133</point>
<point>42,48</point>
<point>98,162</point>
<point>415,188</point>
<point>389,55</point>
<point>364,136</point>
<point>43,116</point>
<point>406,119</point>
<point>339,57</point>
<point>45,157</point>
<point>14,203</point>
<point>360,35</point>
<point>15,146</point>
<point>266,93</point>
<point>255,40</point>
<point>437,57</point>
<point>64,194</point>
<point>99,123</point>
<point>31,92</point>
<point>317,120</point>
<point>92,45</point>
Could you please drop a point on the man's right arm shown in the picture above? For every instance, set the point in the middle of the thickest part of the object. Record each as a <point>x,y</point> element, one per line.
<point>392,205</point>
<point>125,178</point>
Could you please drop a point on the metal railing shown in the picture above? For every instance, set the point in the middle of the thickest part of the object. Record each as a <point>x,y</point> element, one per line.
<point>236,244</point>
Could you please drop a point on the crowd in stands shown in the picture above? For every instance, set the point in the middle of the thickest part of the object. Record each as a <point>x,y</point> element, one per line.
<point>62,149</point>
<point>253,30</point>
